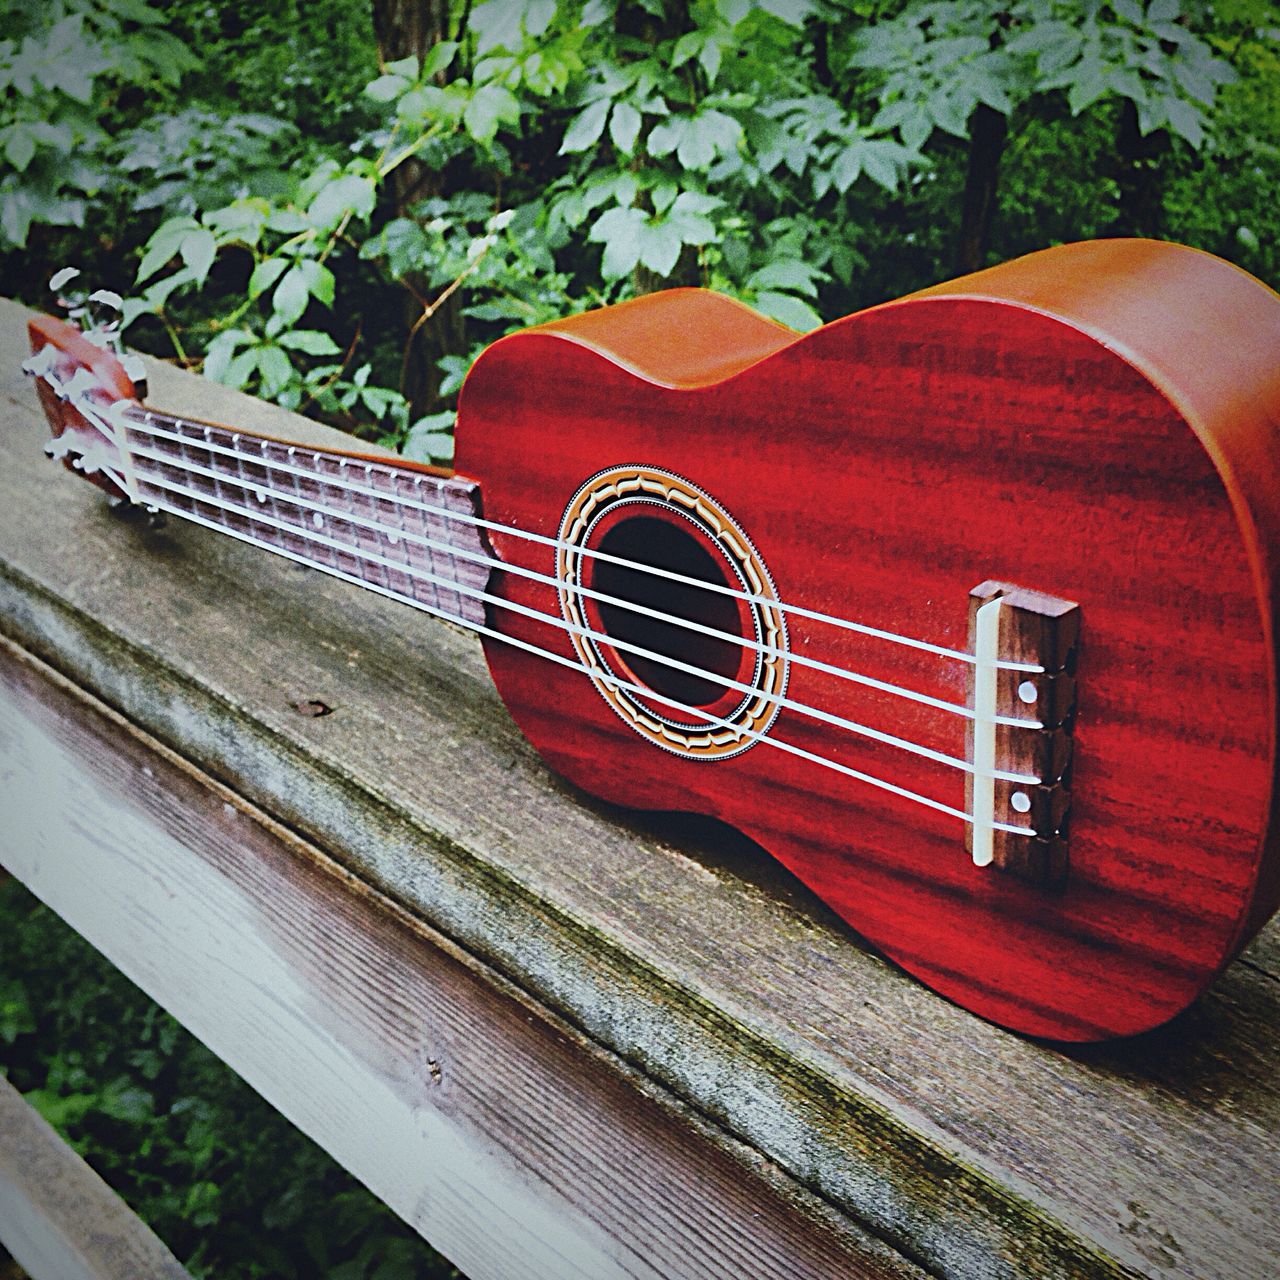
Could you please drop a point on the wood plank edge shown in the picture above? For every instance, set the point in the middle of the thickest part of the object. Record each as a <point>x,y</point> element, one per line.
<point>58,1218</point>
<point>902,1185</point>
<point>801,1216</point>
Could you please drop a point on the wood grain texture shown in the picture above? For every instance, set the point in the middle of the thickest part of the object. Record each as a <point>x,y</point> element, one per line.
<point>58,1219</point>
<point>683,950</point>
<point>504,1138</point>
<point>964,434</point>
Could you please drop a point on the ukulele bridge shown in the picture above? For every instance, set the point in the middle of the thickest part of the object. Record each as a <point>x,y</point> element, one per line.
<point>1023,696</point>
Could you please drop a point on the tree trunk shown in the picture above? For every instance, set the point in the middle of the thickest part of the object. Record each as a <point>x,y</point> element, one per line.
<point>986,145</point>
<point>404,27</point>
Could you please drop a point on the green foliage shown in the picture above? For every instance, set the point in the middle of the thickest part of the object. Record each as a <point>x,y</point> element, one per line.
<point>806,156</point>
<point>59,65</point>
<point>940,61</point>
<point>184,1141</point>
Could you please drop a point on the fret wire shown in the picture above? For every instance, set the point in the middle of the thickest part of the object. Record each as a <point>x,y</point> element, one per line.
<point>456,553</point>
<point>780,700</point>
<point>926,646</point>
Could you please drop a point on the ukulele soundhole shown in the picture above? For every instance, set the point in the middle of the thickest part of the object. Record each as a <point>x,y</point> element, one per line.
<point>673,613</point>
<point>653,543</point>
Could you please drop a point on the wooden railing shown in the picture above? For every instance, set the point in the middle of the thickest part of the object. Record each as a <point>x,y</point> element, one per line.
<point>561,1042</point>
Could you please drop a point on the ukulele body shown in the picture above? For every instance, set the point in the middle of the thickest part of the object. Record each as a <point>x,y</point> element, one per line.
<point>1093,424</point>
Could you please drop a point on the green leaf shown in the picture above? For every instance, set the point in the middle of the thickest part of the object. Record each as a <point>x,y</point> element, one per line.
<point>349,194</point>
<point>275,367</point>
<point>426,103</point>
<point>697,147</point>
<point>319,280</point>
<point>621,230</point>
<point>950,112</point>
<point>242,221</point>
<point>879,160</point>
<point>220,352</point>
<point>660,245</point>
<point>793,12</point>
<point>165,243</point>
<point>1089,85</point>
<point>438,58</point>
<point>265,274</point>
<point>666,136</point>
<point>694,202</point>
<point>430,439</point>
<point>496,24</point>
<point>386,88</point>
<point>664,192</point>
<point>686,48</point>
<point>241,369</point>
<point>786,273</point>
<point>311,342</point>
<point>406,67</point>
<point>198,250</point>
<point>733,11</point>
<point>490,106</point>
<point>709,60</point>
<point>289,222</point>
<point>1185,120</point>
<point>19,146</point>
<point>538,15</point>
<point>404,243</point>
<point>846,167</point>
<point>624,125</point>
<point>586,128</point>
<point>788,310</point>
<point>125,1102</point>
<point>290,298</point>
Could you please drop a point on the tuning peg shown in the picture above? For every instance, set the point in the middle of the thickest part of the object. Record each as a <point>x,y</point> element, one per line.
<point>104,307</point>
<point>74,304</point>
<point>41,362</point>
<point>82,383</point>
<point>136,372</point>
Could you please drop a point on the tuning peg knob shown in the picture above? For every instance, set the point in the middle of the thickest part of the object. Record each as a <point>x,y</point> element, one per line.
<point>73,303</point>
<point>136,372</point>
<point>105,307</point>
<point>60,279</point>
<point>38,365</point>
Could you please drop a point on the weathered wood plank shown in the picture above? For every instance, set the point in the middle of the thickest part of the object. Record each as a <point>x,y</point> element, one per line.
<point>58,1219</point>
<point>683,950</point>
<point>507,1140</point>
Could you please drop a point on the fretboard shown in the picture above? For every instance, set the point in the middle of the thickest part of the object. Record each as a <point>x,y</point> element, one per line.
<point>407,533</point>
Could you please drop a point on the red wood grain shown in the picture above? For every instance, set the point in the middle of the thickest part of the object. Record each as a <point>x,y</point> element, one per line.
<point>1097,422</point>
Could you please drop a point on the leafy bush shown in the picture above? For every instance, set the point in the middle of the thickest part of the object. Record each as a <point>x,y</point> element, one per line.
<point>221,1177</point>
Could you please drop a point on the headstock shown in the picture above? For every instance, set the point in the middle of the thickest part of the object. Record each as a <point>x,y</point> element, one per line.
<point>85,382</point>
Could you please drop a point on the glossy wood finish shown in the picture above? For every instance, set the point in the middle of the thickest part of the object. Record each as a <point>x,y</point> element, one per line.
<point>1049,423</point>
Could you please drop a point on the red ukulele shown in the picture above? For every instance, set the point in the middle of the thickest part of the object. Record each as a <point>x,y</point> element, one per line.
<point>963,607</point>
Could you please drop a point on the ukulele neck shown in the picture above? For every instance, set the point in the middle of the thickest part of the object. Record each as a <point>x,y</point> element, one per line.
<point>408,533</point>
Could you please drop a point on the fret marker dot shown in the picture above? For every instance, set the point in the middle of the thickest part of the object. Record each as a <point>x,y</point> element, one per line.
<point>262,497</point>
<point>393,538</point>
<point>1027,691</point>
<point>318,520</point>
<point>1020,801</point>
